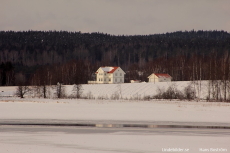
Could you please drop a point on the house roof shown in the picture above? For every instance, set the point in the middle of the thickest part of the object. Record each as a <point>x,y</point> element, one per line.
<point>161,75</point>
<point>108,69</point>
<point>114,69</point>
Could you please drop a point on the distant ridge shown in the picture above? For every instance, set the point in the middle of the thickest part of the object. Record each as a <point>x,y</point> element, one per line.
<point>161,53</point>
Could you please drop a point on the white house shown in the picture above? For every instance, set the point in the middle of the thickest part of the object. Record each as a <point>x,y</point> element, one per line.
<point>109,75</point>
<point>159,77</point>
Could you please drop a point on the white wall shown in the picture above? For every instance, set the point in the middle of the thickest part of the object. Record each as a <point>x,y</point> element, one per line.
<point>164,79</point>
<point>153,78</point>
<point>118,76</point>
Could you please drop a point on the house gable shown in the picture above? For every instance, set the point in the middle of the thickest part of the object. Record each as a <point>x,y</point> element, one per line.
<point>107,69</point>
<point>117,70</point>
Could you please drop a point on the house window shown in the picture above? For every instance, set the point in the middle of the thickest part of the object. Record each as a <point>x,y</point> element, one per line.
<point>120,80</point>
<point>116,80</point>
<point>109,80</point>
<point>120,74</point>
<point>115,74</point>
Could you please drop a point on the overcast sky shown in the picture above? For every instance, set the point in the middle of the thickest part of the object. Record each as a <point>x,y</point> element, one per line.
<point>128,17</point>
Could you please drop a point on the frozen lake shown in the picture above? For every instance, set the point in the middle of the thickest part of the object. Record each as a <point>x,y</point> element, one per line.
<point>21,139</point>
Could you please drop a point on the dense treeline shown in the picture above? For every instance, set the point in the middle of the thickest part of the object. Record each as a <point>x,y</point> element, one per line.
<point>6,74</point>
<point>49,57</point>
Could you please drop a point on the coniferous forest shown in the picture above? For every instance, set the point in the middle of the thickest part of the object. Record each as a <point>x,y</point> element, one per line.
<point>48,57</point>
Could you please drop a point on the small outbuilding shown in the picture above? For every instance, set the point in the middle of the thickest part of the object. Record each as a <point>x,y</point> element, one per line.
<point>135,81</point>
<point>160,77</point>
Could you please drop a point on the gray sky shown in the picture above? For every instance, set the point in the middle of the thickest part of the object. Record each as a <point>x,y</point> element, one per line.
<point>128,17</point>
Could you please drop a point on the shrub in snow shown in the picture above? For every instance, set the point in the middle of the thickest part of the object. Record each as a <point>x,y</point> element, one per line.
<point>115,96</point>
<point>189,93</point>
<point>89,95</point>
<point>136,97</point>
<point>147,97</point>
<point>40,91</point>
<point>103,97</point>
<point>171,93</point>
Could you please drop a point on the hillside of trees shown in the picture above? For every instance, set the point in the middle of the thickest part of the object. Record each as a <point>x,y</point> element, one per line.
<point>48,57</point>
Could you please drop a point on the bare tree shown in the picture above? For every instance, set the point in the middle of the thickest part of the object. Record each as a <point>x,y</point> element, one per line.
<point>119,90</point>
<point>225,74</point>
<point>77,90</point>
<point>42,90</point>
<point>60,90</point>
<point>22,90</point>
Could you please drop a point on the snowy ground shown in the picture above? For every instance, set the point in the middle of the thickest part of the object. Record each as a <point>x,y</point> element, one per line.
<point>24,140</point>
<point>125,90</point>
<point>108,110</point>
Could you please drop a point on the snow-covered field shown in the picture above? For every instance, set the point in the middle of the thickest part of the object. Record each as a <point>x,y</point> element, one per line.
<point>125,90</point>
<point>110,111</point>
<point>96,109</point>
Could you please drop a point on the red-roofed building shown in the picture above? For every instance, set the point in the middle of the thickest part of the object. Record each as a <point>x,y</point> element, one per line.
<point>108,74</point>
<point>160,77</point>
